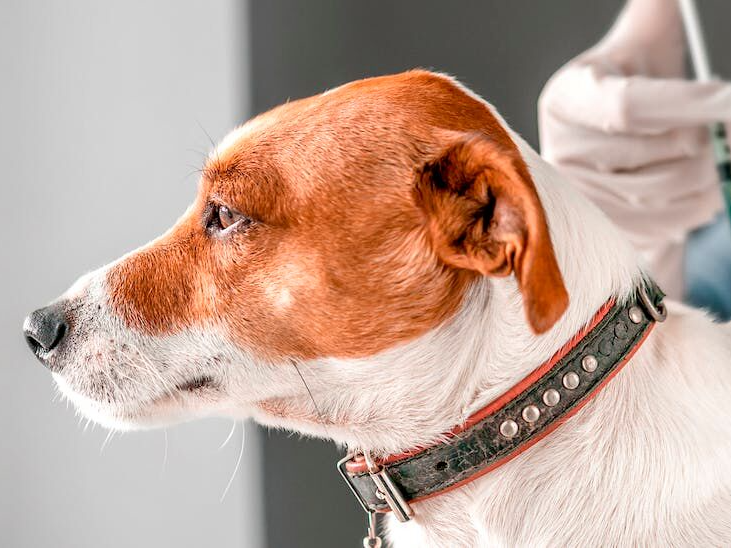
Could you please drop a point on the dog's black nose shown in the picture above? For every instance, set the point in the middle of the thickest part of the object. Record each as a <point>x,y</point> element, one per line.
<point>45,328</point>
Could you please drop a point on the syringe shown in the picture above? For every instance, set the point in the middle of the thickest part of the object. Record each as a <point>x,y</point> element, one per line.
<point>702,69</point>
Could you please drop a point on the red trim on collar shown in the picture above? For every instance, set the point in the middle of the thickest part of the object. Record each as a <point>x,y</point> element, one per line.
<point>358,466</point>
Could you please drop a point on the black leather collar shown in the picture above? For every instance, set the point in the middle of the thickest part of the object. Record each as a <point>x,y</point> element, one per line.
<point>518,419</point>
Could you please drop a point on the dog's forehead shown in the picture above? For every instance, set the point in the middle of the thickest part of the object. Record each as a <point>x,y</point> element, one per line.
<point>357,138</point>
<point>408,102</point>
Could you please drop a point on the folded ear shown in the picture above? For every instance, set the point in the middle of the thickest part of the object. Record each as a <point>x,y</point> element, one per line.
<point>484,215</point>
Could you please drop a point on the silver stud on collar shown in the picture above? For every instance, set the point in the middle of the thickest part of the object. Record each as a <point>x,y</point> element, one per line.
<point>509,428</point>
<point>531,413</point>
<point>589,363</point>
<point>635,314</point>
<point>551,397</point>
<point>570,380</point>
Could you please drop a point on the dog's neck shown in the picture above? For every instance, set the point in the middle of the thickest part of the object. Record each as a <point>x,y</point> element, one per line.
<point>408,396</point>
<point>597,263</point>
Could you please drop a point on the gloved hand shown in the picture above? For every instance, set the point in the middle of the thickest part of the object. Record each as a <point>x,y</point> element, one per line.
<point>625,126</point>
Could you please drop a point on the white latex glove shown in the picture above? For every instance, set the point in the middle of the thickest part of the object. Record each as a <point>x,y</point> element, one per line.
<point>625,126</point>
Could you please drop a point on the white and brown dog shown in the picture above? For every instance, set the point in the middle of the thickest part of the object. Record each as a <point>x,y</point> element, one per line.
<point>395,245</point>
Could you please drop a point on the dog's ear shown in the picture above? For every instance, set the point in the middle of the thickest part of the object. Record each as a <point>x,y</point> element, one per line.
<point>484,215</point>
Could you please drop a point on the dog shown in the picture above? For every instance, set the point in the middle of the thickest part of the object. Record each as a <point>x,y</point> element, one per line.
<point>374,265</point>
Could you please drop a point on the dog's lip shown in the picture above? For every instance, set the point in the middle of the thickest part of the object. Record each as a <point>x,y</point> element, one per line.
<point>177,396</point>
<point>196,383</point>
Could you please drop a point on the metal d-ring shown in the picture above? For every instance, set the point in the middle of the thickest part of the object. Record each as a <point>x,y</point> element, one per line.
<point>657,312</point>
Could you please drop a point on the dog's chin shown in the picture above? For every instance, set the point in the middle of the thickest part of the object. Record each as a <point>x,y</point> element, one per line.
<point>165,410</point>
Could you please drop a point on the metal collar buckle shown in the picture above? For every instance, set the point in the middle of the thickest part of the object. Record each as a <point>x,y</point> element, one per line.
<point>387,490</point>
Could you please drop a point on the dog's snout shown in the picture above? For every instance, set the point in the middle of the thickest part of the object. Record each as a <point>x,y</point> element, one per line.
<point>45,328</point>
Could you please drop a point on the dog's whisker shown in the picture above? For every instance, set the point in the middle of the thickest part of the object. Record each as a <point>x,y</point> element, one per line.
<point>228,438</point>
<point>118,394</point>
<point>150,368</point>
<point>202,153</point>
<point>131,379</point>
<point>238,462</point>
<point>109,437</point>
<point>157,379</point>
<point>149,376</point>
<point>193,171</point>
<point>146,374</point>
<point>314,403</point>
<point>210,139</point>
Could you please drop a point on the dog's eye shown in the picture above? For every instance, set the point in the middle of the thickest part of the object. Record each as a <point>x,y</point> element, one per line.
<point>226,217</point>
<point>223,217</point>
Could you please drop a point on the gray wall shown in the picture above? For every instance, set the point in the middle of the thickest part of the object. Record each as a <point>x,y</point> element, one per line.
<point>102,106</point>
<point>504,50</point>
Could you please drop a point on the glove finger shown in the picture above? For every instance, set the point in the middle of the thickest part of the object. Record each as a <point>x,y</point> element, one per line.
<point>564,144</point>
<point>587,97</point>
<point>663,201</point>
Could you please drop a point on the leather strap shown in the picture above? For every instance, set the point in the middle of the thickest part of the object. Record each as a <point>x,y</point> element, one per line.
<point>523,415</point>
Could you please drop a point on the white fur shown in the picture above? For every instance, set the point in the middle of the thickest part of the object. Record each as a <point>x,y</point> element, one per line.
<point>647,462</point>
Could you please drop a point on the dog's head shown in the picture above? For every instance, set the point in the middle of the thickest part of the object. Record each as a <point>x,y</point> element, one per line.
<point>335,226</point>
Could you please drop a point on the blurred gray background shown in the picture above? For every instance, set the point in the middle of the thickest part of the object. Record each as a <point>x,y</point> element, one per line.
<point>105,110</point>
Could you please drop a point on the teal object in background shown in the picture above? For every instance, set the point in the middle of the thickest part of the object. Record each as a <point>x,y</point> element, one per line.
<point>708,268</point>
<point>722,153</point>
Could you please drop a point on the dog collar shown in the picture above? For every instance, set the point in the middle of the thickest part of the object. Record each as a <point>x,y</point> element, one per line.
<point>514,421</point>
